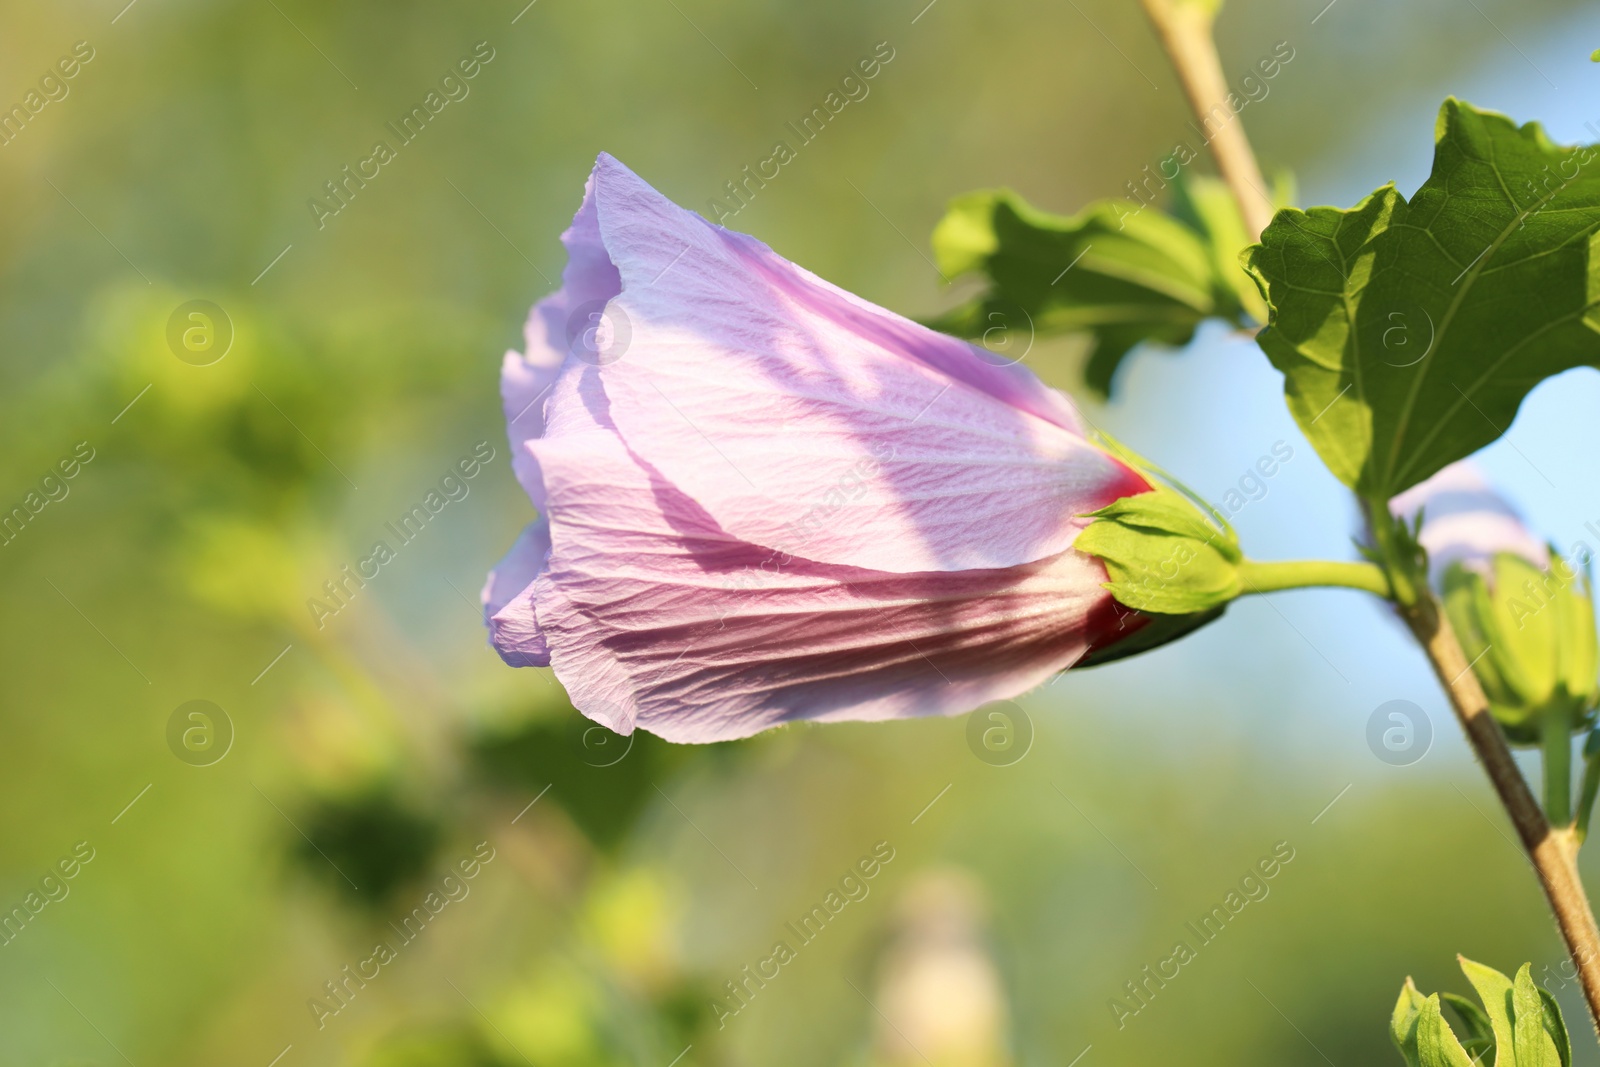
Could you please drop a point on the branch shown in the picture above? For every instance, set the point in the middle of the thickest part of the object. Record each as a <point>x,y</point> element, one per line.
<point>1553,853</point>
<point>1185,30</point>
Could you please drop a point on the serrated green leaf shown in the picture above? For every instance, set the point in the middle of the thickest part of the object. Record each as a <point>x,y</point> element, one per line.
<point>1495,990</point>
<point>1436,1042</point>
<point>1118,271</point>
<point>1207,206</point>
<point>1403,1022</point>
<point>1409,332</point>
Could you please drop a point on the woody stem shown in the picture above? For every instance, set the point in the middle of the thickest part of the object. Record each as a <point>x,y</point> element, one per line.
<point>1185,30</point>
<point>1553,852</point>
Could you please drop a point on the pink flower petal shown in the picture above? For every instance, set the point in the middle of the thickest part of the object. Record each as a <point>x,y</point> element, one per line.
<point>554,327</point>
<point>805,420</point>
<point>765,500</point>
<point>525,382</point>
<point>508,599</point>
<point>658,618</point>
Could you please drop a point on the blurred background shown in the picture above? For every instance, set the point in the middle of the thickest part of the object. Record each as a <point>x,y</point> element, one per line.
<point>546,893</point>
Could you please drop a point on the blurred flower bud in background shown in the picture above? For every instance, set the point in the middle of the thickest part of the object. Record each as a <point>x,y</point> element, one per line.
<point>1524,614</point>
<point>939,990</point>
<point>1466,521</point>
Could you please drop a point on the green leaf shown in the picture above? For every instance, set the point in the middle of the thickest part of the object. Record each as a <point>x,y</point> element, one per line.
<point>1477,1035</point>
<point>1408,332</point>
<point>1117,271</point>
<point>1520,1023</point>
<point>1207,206</point>
<point>1495,990</point>
<point>1535,1045</point>
<point>1403,1022</point>
<point>1436,1042</point>
<point>1556,1027</point>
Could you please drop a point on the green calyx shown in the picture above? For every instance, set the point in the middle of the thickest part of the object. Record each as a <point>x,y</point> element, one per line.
<point>1170,554</point>
<point>1530,633</point>
<point>1166,552</point>
<point>1163,555</point>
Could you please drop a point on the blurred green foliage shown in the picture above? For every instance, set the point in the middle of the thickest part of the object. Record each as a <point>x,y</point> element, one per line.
<point>390,741</point>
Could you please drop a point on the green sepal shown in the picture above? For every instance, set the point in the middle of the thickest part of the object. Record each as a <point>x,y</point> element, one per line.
<point>1556,1026</point>
<point>1162,555</point>
<point>1530,635</point>
<point>1436,1042</point>
<point>1153,632</point>
<point>1403,1022</point>
<point>1495,990</point>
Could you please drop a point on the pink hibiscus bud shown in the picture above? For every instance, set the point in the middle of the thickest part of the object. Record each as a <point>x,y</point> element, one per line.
<point>763,499</point>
